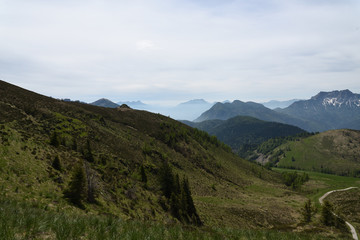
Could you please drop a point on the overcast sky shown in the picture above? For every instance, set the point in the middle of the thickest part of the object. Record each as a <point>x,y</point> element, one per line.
<point>176,50</point>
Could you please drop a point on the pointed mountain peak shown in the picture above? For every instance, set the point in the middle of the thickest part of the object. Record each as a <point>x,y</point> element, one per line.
<point>103,102</point>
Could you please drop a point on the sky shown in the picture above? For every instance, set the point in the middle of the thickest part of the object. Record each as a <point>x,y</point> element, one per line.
<point>172,51</point>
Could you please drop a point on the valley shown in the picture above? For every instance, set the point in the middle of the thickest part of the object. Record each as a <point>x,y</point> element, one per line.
<point>76,164</point>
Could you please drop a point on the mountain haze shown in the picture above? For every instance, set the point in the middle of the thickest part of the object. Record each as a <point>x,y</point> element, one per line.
<point>279,104</point>
<point>134,104</point>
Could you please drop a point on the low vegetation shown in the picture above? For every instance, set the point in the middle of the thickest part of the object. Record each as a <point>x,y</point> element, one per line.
<point>335,152</point>
<point>70,170</point>
<point>29,221</point>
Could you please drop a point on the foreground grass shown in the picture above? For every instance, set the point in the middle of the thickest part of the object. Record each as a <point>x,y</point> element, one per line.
<point>21,221</point>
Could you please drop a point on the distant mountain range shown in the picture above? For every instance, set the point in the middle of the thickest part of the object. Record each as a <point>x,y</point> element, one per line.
<point>134,104</point>
<point>325,111</point>
<point>183,111</point>
<point>103,102</point>
<point>224,111</point>
<point>279,104</point>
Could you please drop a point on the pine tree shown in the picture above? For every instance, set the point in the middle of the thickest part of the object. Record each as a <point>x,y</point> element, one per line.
<point>175,206</point>
<point>143,174</point>
<point>190,207</point>
<point>166,179</point>
<point>177,186</point>
<point>308,211</point>
<point>56,164</point>
<point>327,217</point>
<point>54,139</point>
<point>77,188</point>
<point>74,144</point>
<point>88,152</point>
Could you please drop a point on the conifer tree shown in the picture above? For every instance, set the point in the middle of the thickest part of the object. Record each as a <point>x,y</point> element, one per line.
<point>54,139</point>
<point>177,187</point>
<point>308,211</point>
<point>77,188</point>
<point>88,152</point>
<point>74,144</point>
<point>190,207</point>
<point>327,217</point>
<point>175,206</point>
<point>56,164</point>
<point>166,179</point>
<point>143,174</point>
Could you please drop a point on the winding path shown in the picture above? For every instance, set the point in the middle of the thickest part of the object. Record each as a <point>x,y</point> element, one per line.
<point>321,200</point>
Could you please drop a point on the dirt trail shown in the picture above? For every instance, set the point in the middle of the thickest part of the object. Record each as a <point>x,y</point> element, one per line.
<point>321,200</point>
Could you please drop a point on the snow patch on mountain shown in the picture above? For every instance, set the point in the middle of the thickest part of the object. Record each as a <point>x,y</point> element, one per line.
<point>332,101</point>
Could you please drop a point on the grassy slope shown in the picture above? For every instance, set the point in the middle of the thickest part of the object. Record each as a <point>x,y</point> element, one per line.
<point>335,151</point>
<point>24,221</point>
<point>320,183</point>
<point>348,204</point>
<point>227,190</point>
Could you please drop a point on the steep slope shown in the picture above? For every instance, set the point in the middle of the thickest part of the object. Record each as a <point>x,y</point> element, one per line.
<point>224,111</point>
<point>122,154</point>
<point>332,110</point>
<point>245,133</point>
<point>334,151</point>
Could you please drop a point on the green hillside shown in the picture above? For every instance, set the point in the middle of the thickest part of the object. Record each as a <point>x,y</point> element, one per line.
<point>244,134</point>
<point>335,151</point>
<point>70,170</point>
<point>115,147</point>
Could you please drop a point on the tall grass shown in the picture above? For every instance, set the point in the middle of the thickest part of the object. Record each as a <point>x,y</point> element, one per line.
<point>19,220</point>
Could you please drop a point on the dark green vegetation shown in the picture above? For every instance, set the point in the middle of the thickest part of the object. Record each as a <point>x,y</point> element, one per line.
<point>294,180</point>
<point>335,152</point>
<point>245,134</point>
<point>308,211</point>
<point>179,195</point>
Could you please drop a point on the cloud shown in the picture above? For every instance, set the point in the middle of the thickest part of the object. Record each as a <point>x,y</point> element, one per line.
<point>178,50</point>
<point>144,45</point>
